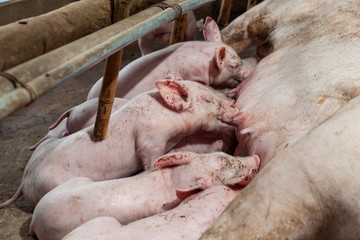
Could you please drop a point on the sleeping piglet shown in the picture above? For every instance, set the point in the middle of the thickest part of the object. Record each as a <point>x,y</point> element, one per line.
<point>140,196</point>
<point>187,221</point>
<point>210,62</point>
<point>145,128</point>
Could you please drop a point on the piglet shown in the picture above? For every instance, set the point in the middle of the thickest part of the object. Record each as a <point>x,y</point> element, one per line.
<point>138,133</point>
<point>140,196</point>
<point>164,33</point>
<point>76,118</point>
<point>210,62</point>
<point>187,221</point>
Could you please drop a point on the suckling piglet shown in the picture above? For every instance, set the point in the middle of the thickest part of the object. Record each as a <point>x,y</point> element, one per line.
<point>210,62</point>
<point>79,200</point>
<point>187,221</point>
<point>142,130</point>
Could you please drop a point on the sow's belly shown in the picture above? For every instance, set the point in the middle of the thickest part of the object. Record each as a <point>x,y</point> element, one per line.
<point>285,98</point>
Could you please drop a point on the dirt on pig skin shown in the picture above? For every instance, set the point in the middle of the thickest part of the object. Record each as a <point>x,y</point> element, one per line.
<point>129,199</point>
<point>182,107</point>
<point>28,125</point>
<point>300,109</point>
<point>210,62</point>
<point>187,221</point>
<point>23,129</point>
<point>305,80</point>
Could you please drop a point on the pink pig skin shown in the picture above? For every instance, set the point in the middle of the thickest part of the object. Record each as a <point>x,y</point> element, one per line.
<point>84,115</point>
<point>309,191</point>
<point>128,199</point>
<point>77,118</point>
<point>295,116</point>
<point>211,62</point>
<point>187,221</point>
<point>136,137</point>
<point>164,33</point>
<point>287,96</point>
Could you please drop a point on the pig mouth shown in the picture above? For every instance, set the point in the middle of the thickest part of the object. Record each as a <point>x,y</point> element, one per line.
<point>232,119</point>
<point>238,79</point>
<point>237,118</point>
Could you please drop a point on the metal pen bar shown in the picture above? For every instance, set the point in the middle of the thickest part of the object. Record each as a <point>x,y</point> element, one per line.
<point>88,51</point>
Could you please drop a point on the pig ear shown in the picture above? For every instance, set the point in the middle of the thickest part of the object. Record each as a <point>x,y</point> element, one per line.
<point>220,57</point>
<point>234,181</point>
<point>172,159</point>
<point>211,31</point>
<point>184,194</point>
<point>241,181</point>
<point>175,94</point>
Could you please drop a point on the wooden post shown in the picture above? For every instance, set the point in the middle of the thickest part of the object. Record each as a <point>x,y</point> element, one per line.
<point>178,30</point>
<point>112,68</point>
<point>252,3</point>
<point>224,15</point>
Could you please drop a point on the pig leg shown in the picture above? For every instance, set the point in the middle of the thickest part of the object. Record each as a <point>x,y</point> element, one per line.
<point>102,226</point>
<point>308,191</point>
<point>66,186</point>
<point>187,221</point>
<point>133,198</point>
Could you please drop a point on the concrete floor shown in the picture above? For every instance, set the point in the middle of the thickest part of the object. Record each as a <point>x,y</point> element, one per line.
<point>25,127</point>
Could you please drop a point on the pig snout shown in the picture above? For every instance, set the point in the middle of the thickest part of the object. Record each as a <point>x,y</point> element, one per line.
<point>229,112</point>
<point>239,70</point>
<point>231,67</point>
<point>226,109</point>
<point>244,72</point>
<point>240,170</point>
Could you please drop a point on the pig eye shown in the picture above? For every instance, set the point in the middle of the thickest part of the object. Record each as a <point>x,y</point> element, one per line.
<point>208,101</point>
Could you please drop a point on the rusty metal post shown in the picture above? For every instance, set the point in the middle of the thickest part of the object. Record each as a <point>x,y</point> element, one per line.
<point>224,14</point>
<point>108,88</point>
<point>178,30</point>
